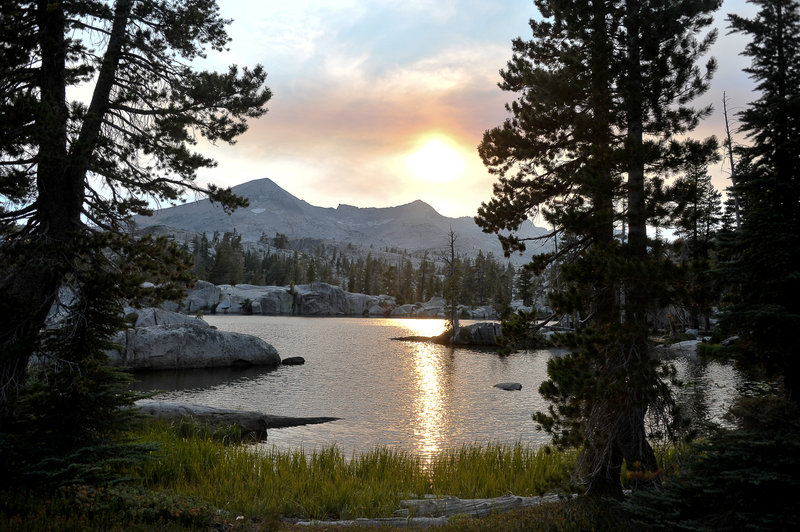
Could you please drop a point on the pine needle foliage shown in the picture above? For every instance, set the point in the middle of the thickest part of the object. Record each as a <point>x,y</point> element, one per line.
<point>742,479</point>
<point>762,272</point>
<point>70,167</point>
<point>69,421</point>
<point>603,93</point>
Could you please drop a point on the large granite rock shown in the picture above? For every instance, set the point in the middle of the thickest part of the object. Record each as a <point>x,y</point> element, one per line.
<point>433,308</point>
<point>149,317</point>
<point>183,346</point>
<point>204,296</point>
<point>320,299</point>
<point>275,301</point>
<point>366,305</point>
<point>403,311</point>
<point>247,298</point>
<point>483,313</point>
<point>359,304</point>
<point>484,333</point>
<point>315,299</point>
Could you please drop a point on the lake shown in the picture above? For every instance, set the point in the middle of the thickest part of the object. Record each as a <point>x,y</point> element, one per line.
<point>413,396</point>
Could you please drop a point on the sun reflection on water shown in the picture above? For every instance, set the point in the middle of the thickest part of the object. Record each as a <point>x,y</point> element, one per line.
<point>429,403</point>
<point>420,327</point>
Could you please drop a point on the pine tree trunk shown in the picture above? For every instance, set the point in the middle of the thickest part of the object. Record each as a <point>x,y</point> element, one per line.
<point>602,461</point>
<point>633,436</point>
<point>34,266</point>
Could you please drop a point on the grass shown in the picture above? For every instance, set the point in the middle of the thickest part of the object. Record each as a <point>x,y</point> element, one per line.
<point>202,479</point>
<point>483,471</point>
<point>328,484</point>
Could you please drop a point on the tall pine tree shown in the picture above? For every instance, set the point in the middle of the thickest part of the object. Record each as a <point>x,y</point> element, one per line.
<point>696,216</point>
<point>71,167</point>
<point>765,267</point>
<point>603,89</point>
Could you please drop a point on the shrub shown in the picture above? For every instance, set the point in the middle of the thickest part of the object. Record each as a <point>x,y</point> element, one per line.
<point>744,478</point>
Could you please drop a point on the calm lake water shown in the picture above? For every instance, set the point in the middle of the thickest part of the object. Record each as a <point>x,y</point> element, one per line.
<point>415,396</point>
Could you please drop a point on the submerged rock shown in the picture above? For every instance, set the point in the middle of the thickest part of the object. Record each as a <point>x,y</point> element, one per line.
<point>508,386</point>
<point>293,361</point>
<point>247,421</point>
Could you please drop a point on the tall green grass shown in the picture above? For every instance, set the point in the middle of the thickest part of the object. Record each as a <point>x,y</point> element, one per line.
<point>328,484</point>
<point>491,470</point>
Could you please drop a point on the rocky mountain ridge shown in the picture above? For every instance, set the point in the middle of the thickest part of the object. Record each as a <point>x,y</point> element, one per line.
<point>414,226</point>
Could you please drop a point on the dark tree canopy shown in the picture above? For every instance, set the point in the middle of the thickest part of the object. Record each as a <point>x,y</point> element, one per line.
<point>603,92</point>
<point>764,270</point>
<point>132,139</point>
<point>100,109</point>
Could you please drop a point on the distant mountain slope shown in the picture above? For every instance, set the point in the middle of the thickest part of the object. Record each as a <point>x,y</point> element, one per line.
<point>415,226</point>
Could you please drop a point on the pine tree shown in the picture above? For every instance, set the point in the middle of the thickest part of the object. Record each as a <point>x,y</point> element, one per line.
<point>696,217</point>
<point>603,89</point>
<point>228,266</point>
<point>524,286</point>
<point>764,270</point>
<point>73,412</point>
<point>70,168</point>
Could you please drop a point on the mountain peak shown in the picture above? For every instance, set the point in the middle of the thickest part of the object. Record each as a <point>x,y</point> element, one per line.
<point>418,208</point>
<point>257,187</point>
<point>412,226</point>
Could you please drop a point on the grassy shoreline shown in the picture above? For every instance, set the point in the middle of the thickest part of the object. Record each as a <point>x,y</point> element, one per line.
<point>202,480</point>
<point>327,484</point>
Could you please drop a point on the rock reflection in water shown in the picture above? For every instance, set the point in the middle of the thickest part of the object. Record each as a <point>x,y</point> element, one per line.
<point>188,379</point>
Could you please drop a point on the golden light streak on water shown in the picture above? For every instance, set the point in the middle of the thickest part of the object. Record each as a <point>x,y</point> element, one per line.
<point>429,402</point>
<point>417,327</point>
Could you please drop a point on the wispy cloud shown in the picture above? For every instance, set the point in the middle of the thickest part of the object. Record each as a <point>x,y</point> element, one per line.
<point>358,85</point>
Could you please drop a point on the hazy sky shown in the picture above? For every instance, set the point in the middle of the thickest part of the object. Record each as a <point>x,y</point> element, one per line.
<point>361,85</point>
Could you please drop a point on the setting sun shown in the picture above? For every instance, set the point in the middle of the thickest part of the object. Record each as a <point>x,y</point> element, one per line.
<point>436,160</point>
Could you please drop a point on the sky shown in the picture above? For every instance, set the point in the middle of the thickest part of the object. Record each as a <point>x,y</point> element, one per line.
<point>378,103</point>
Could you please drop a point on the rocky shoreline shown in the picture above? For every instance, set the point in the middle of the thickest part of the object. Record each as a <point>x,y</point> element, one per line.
<point>163,340</point>
<point>315,299</point>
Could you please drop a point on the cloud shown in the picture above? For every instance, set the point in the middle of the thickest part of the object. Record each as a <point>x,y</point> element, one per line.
<point>357,85</point>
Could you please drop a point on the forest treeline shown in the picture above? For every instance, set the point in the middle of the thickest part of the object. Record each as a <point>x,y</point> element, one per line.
<point>693,212</point>
<point>409,277</point>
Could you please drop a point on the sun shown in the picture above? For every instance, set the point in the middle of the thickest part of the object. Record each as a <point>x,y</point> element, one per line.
<point>436,160</point>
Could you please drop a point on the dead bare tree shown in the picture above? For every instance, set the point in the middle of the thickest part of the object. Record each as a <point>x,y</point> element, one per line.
<point>451,292</point>
<point>729,146</point>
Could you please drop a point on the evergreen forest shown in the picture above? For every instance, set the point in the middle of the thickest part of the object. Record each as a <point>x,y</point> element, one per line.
<point>601,139</point>
<point>409,277</point>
